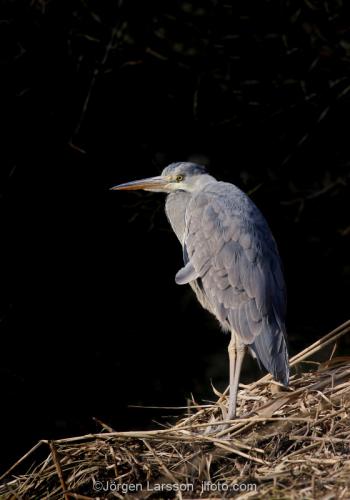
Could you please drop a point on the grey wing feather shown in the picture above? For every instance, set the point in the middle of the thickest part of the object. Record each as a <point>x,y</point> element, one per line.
<point>230,253</point>
<point>186,274</point>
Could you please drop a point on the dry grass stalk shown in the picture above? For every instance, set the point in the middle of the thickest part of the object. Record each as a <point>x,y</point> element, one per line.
<point>291,444</point>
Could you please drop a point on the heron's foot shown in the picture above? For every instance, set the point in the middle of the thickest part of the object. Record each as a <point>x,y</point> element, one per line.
<point>217,425</point>
<point>220,424</point>
<point>211,429</point>
<point>235,420</point>
<point>214,428</point>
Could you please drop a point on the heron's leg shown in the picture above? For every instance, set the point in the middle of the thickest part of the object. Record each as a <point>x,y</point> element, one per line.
<point>236,352</point>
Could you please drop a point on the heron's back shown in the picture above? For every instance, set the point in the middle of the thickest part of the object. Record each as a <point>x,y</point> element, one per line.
<point>230,246</point>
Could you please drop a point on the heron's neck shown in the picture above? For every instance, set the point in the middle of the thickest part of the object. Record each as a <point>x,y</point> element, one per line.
<point>203,180</point>
<point>175,209</point>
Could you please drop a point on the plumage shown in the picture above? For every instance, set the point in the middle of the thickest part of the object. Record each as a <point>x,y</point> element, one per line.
<point>231,262</point>
<point>245,288</point>
<point>186,274</point>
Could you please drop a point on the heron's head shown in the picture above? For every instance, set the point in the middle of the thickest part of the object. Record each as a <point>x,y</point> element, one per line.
<point>182,176</point>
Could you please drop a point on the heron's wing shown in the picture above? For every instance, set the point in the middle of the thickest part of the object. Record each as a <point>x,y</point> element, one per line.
<point>186,274</point>
<point>234,258</point>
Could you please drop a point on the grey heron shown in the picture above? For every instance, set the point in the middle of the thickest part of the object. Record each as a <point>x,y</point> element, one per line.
<point>231,262</point>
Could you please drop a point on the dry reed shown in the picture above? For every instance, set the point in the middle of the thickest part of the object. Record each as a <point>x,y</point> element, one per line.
<point>291,444</point>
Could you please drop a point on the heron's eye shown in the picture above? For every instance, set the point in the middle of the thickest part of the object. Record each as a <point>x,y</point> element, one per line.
<point>179,178</point>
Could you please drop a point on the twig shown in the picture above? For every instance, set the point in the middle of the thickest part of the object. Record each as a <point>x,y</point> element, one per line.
<point>93,80</point>
<point>320,344</point>
<point>80,497</point>
<point>319,438</point>
<point>222,444</point>
<point>26,455</point>
<point>158,459</point>
<point>59,470</point>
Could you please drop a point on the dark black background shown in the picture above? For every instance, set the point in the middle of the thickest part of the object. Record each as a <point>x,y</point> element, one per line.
<point>96,94</point>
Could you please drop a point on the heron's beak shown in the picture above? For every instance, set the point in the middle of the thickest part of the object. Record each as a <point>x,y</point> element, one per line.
<point>158,183</point>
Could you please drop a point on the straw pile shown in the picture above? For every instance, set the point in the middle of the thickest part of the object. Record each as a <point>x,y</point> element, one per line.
<point>292,444</point>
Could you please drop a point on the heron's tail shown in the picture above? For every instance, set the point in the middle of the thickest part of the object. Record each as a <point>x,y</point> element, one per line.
<point>270,348</point>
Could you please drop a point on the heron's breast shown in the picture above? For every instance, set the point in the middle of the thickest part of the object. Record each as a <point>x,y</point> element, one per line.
<point>175,208</point>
